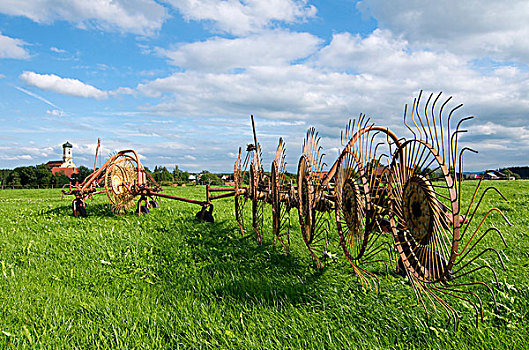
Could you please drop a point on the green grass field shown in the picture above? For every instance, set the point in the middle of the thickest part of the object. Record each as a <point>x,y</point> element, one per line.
<point>167,281</point>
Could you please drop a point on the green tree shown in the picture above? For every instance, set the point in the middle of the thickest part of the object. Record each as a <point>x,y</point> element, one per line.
<point>28,175</point>
<point>13,179</point>
<point>162,175</point>
<point>4,175</point>
<point>208,178</point>
<point>44,174</point>
<point>179,175</point>
<point>60,179</point>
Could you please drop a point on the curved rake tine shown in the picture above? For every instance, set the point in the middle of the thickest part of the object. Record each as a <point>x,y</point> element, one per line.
<point>479,311</point>
<point>461,172</point>
<point>415,111</point>
<point>477,269</point>
<point>489,289</point>
<point>477,206</point>
<point>441,124</point>
<point>479,226</point>
<point>477,256</point>
<point>449,135</point>
<point>479,239</point>
<point>433,119</point>
<point>405,123</point>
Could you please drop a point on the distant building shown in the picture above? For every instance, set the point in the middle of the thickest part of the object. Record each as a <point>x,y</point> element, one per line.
<point>494,175</point>
<point>66,166</point>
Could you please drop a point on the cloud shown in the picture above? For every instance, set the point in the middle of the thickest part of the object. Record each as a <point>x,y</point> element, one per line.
<point>20,157</point>
<point>476,28</point>
<point>143,17</point>
<point>66,86</point>
<point>56,113</point>
<point>57,50</point>
<point>376,74</point>
<point>244,17</point>
<point>348,76</point>
<point>12,48</point>
<point>266,49</point>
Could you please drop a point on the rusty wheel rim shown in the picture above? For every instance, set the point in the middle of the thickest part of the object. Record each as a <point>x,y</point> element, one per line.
<point>257,204</point>
<point>313,215</point>
<point>352,201</point>
<point>280,212</point>
<point>240,194</point>
<point>423,231</point>
<point>120,178</point>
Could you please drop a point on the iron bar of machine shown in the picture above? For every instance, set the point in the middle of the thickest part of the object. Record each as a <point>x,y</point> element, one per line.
<point>223,195</point>
<point>157,194</point>
<point>221,189</point>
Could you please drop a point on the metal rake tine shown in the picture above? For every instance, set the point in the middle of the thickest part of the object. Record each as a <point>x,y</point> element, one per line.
<point>426,116</point>
<point>479,311</point>
<point>405,123</point>
<point>449,135</point>
<point>457,132</point>
<point>481,223</point>
<point>433,119</point>
<point>415,112</point>
<point>490,290</point>
<point>441,125</point>
<point>477,256</point>
<point>461,172</point>
<point>477,269</point>
<point>477,206</point>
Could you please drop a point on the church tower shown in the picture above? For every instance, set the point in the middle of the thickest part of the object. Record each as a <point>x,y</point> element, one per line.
<point>67,157</point>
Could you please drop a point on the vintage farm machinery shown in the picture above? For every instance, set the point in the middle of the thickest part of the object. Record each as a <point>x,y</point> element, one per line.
<point>252,184</point>
<point>388,196</point>
<point>127,184</point>
<point>380,184</point>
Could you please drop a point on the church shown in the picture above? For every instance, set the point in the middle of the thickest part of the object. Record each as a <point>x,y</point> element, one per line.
<point>66,166</point>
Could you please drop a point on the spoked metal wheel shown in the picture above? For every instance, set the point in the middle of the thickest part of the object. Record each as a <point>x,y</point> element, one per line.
<point>280,207</point>
<point>352,205</point>
<point>434,239</point>
<point>257,203</point>
<point>426,226</point>
<point>120,177</point>
<point>313,206</point>
<point>363,204</point>
<point>241,195</point>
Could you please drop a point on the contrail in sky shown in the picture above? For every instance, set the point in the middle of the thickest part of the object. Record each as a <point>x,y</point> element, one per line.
<point>36,96</point>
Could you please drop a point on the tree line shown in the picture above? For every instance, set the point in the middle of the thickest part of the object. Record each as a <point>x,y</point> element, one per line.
<point>517,171</point>
<point>40,176</point>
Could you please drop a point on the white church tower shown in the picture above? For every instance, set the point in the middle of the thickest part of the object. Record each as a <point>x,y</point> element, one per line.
<point>67,157</point>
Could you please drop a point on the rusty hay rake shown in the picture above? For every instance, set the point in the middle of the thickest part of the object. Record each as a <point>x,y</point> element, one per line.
<point>127,185</point>
<point>388,197</point>
<point>379,185</point>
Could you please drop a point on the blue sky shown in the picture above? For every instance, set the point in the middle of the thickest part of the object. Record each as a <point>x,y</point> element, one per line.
<point>177,79</point>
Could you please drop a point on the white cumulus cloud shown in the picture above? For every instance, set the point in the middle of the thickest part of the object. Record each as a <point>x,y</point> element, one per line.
<point>241,17</point>
<point>267,49</point>
<point>143,17</point>
<point>65,86</point>
<point>374,74</point>
<point>12,48</point>
<point>475,28</point>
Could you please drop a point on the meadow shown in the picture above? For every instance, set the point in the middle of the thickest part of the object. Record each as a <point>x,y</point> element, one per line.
<point>165,280</point>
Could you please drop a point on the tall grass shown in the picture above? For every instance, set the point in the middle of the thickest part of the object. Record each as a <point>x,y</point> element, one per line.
<point>168,281</point>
